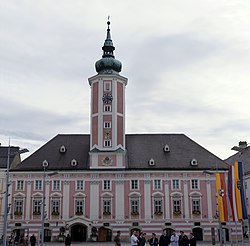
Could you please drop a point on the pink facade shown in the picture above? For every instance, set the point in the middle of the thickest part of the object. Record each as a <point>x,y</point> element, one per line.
<point>120,99</point>
<point>158,184</point>
<point>95,98</point>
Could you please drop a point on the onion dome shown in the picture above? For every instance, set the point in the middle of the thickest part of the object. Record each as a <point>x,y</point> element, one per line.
<point>108,64</point>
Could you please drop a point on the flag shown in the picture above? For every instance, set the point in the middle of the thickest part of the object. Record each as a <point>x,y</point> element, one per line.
<point>221,196</point>
<point>239,191</point>
<point>231,193</point>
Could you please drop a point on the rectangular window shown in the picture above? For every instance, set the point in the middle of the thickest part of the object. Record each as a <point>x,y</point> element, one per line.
<point>194,184</point>
<point>55,207</point>
<point>134,184</point>
<point>176,205</point>
<point>107,86</point>
<point>106,185</point>
<point>134,206</point>
<point>175,184</point>
<point>79,206</point>
<point>20,185</point>
<point>107,108</point>
<point>158,205</point>
<point>38,185</point>
<point>37,204</point>
<point>79,185</point>
<point>196,205</point>
<point>157,184</point>
<point>107,124</point>
<point>106,206</point>
<point>18,207</point>
<point>56,185</point>
<point>107,143</point>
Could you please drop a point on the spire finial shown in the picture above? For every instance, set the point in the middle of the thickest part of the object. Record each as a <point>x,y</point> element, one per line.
<point>108,22</point>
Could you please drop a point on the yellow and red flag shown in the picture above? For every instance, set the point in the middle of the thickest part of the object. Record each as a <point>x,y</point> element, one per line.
<point>221,196</point>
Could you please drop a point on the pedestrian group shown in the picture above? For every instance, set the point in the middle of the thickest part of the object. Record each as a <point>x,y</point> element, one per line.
<point>139,239</point>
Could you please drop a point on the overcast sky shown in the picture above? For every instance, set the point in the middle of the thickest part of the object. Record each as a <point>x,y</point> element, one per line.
<point>188,65</point>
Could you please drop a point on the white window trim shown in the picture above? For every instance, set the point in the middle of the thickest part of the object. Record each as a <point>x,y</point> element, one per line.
<point>198,184</point>
<point>138,184</point>
<point>53,182</point>
<point>158,198</point>
<point>105,107</point>
<point>23,184</point>
<point>110,184</point>
<point>83,186</point>
<point>160,184</point>
<point>82,199</point>
<point>40,180</point>
<point>107,198</point>
<point>107,124</point>
<point>172,184</point>
<point>105,143</point>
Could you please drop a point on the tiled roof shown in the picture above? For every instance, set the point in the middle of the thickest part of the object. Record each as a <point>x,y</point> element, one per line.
<point>77,148</point>
<point>4,155</point>
<point>243,156</point>
<point>140,149</point>
<point>143,147</point>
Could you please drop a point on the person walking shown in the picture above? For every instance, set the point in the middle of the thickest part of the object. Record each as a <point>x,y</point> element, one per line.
<point>164,239</point>
<point>192,239</point>
<point>134,239</point>
<point>153,241</point>
<point>174,239</point>
<point>183,239</point>
<point>68,240</point>
<point>33,240</point>
<point>117,239</point>
<point>142,239</point>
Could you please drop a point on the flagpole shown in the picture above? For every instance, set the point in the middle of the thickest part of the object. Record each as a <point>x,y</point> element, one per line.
<point>229,216</point>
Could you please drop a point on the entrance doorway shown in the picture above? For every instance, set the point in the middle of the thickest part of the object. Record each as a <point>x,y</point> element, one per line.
<point>198,233</point>
<point>104,235</point>
<point>47,235</point>
<point>78,233</point>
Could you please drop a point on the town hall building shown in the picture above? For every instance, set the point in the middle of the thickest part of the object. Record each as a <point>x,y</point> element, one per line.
<point>96,184</point>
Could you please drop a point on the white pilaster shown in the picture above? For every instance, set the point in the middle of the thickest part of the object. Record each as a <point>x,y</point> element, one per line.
<point>119,197</point>
<point>147,197</point>
<point>94,197</point>
<point>186,200</point>
<point>167,201</point>
<point>28,201</point>
<point>47,196</point>
<point>209,201</point>
<point>66,199</point>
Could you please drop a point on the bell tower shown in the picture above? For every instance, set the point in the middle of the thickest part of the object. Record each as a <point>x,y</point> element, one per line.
<point>107,136</point>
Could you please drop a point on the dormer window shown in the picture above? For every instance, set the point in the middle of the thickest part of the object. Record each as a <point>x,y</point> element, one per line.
<point>73,163</point>
<point>151,162</point>
<point>62,149</point>
<point>166,148</point>
<point>193,162</point>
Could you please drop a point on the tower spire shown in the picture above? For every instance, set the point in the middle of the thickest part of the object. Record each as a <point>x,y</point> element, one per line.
<point>108,64</point>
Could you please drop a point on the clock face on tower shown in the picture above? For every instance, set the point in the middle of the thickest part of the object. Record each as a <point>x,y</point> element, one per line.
<point>107,98</point>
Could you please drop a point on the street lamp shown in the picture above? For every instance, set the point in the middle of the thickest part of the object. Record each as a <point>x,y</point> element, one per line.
<point>45,164</point>
<point>6,207</point>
